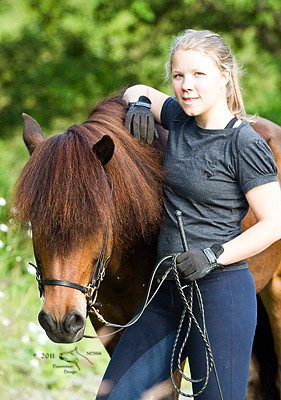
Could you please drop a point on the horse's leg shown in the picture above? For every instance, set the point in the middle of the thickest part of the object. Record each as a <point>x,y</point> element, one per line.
<point>263,368</point>
<point>172,394</point>
<point>254,384</point>
<point>271,298</point>
<point>164,390</point>
<point>267,275</point>
<point>178,379</point>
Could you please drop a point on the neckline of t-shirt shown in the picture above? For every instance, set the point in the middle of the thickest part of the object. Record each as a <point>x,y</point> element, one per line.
<point>216,131</point>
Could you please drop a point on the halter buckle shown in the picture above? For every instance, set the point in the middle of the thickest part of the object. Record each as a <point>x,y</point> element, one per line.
<point>90,291</point>
<point>91,295</point>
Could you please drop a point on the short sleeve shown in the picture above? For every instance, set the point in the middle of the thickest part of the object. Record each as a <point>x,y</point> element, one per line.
<point>256,165</point>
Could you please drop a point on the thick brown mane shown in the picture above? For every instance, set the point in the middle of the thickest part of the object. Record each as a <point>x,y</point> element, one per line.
<point>67,194</point>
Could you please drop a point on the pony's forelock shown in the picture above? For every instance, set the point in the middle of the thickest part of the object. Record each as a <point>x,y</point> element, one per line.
<point>66,194</point>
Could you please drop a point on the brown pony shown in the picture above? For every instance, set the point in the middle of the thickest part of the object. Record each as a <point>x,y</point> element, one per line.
<point>71,194</point>
<point>97,178</point>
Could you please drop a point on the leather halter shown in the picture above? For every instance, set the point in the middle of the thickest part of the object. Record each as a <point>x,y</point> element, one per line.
<point>90,291</point>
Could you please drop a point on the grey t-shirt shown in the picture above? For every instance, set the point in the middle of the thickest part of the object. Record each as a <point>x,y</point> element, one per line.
<point>206,175</point>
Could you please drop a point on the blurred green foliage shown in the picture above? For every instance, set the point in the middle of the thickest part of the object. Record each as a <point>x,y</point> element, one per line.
<point>59,58</point>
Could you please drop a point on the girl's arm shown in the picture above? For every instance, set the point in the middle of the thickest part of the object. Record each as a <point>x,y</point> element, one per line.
<point>265,202</point>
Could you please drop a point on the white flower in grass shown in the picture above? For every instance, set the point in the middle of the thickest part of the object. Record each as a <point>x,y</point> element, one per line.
<point>2,295</point>
<point>42,338</point>
<point>5,322</point>
<point>1,244</point>
<point>25,339</point>
<point>8,248</point>
<point>33,328</point>
<point>2,201</point>
<point>4,228</point>
<point>34,363</point>
<point>18,259</point>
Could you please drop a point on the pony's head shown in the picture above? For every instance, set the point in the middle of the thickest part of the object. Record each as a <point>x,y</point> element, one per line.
<point>94,178</point>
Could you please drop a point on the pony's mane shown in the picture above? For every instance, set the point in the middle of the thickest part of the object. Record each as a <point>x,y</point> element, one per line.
<point>66,194</point>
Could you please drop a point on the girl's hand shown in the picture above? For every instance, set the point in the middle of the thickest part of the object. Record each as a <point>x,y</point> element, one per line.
<point>195,264</point>
<point>140,121</point>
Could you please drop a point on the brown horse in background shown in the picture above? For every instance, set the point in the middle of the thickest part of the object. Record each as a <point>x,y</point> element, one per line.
<point>266,269</point>
<point>94,178</point>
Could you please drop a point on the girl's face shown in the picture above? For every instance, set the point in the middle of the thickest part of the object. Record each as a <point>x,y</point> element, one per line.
<point>199,85</point>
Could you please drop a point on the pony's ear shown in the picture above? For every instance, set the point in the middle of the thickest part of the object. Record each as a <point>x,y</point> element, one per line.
<point>32,133</point>
<point>104,149</point>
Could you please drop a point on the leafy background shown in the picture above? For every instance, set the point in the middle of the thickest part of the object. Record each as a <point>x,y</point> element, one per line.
<point>58,59</point>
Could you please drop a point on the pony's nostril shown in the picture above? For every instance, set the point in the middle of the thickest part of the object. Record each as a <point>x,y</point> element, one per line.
<point>46,321</point>
<point>73,322</point>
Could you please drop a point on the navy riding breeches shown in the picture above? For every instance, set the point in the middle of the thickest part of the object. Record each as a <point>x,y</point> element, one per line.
<point>142,358</point>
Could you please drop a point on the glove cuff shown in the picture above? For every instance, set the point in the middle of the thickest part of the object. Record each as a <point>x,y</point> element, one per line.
<point>210,256</point>
<point>217,249</point>
<point>143,101</point>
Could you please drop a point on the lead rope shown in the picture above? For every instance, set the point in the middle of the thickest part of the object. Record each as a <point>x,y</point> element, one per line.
<point>145,302</point>
<point>187,308</point>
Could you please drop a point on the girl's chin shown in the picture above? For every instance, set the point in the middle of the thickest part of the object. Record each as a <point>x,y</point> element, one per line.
<point>189,112</point>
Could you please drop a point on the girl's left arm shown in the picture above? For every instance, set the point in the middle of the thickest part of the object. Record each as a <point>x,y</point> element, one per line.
<point>265,202</point>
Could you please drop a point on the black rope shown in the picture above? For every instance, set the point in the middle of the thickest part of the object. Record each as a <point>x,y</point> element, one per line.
<point>187,312</point>
<point>188,305</point>
<point>145,302</point>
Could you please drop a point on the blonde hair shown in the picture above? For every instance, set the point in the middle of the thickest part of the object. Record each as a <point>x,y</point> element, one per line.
<point>212,45</point>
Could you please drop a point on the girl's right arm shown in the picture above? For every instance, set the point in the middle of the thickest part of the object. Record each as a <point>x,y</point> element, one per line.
<point>156,97</point>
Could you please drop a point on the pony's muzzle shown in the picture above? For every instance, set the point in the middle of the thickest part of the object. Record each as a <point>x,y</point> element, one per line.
<point>70,329</point>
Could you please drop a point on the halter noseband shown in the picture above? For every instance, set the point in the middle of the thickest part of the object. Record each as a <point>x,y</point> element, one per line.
<point>90,291</point>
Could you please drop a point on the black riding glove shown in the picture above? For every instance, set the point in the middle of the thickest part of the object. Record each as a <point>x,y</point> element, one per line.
<point>140,120</point>
<point>194,264</point>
